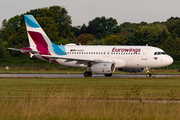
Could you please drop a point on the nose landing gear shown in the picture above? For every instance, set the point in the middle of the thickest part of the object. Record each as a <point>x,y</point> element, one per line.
<point>148,74</point>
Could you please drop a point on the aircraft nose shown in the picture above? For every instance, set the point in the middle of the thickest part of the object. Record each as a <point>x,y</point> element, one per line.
<point>169,60</point>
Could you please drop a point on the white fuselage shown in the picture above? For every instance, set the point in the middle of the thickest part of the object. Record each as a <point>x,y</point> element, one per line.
<point>122,56</point>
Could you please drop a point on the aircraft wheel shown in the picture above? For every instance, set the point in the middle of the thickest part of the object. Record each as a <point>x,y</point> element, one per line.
<point>148,74</point>
<point>108,75</point>
<point>87,74</point>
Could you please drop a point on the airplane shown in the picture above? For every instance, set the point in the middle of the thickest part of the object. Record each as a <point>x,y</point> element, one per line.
<point>101,59</point>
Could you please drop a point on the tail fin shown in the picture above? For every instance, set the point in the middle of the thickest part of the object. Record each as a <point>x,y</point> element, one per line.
<point>37,37</point>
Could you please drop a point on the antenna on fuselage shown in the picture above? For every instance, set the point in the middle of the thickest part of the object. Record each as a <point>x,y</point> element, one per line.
<point>146,44</point>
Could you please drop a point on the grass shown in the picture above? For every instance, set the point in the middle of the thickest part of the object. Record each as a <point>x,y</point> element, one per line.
<point>88,98</point>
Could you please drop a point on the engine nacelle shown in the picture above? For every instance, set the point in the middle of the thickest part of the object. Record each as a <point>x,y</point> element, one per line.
<point>133,70</point>
<point>103,68</point>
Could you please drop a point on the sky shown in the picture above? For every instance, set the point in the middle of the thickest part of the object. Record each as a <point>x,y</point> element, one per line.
<point>83,11</point>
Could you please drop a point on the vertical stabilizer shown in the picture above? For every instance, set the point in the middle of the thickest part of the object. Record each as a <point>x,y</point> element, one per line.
<point>37,37</point>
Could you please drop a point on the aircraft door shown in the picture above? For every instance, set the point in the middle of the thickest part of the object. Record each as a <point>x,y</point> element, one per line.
<point>144,54</point>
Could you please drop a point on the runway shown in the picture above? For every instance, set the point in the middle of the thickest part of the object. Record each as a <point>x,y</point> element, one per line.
<point>28,75</point>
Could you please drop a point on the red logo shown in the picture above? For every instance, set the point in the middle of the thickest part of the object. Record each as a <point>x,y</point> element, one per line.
<point>155,58</point>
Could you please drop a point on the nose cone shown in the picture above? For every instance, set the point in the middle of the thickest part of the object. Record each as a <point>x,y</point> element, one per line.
<point>169,60</point>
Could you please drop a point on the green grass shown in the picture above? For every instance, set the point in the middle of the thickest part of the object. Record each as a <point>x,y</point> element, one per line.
<point>88,98</point>
<point>95,88</point>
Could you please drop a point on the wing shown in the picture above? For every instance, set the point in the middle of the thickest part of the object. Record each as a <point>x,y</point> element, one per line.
<point>74,58</point>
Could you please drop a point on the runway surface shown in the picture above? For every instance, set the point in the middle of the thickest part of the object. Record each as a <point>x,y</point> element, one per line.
<point>27,75</point>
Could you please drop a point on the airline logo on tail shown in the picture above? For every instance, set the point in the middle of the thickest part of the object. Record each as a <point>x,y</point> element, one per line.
<point>38,39</point>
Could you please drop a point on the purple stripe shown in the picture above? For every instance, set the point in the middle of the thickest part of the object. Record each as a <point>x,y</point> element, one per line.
<point>40,42</point>
<point>26,48</point>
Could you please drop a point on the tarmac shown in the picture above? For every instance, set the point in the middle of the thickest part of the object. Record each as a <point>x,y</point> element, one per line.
<point>44,75</point>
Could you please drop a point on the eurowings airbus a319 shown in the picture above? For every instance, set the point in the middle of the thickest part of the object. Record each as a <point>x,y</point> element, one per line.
<point>97,58</point>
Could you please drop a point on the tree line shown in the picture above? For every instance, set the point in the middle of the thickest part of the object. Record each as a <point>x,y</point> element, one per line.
<point>56,22</point>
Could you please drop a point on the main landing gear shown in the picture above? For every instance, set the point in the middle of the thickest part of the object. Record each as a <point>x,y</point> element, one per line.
<point>87,74</point>
<point>148,74</point>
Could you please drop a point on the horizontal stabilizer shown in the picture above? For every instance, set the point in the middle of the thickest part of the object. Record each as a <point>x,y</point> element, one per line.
<point>21,50</point>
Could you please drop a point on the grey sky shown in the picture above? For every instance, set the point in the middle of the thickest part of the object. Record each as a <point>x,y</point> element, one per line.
<point>83,11</point>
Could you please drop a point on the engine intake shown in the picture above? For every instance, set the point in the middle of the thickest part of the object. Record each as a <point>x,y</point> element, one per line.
<point>103,68</point>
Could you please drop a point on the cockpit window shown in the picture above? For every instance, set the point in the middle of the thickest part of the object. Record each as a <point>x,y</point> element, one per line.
<point>163,53</point>
<point>159,53</point>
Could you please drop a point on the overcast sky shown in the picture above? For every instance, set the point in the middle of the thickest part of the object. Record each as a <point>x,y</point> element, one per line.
<point>83,11</point>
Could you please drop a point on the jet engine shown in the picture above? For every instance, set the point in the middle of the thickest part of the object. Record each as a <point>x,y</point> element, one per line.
<point>103,68</point>
<point>133,70</point>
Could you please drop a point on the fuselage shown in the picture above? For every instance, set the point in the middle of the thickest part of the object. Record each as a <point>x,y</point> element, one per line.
<point>122,56</point>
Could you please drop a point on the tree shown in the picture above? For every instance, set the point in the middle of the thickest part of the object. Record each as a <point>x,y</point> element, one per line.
<point>114,40</point>
<point>172,46</point>
<point>131,27</point>
<point>54,20</point>
<point>2,50</point>
<point>61,41</point>
<point>101,27</point>
<point>85,38</point>
<point>96,42</point>
<point>60,16</point>
<point>153,35</point>
<point>175,28</point>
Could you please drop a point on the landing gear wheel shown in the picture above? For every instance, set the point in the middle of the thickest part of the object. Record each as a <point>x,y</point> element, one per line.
<point>148,74</point>
<point>108,75</point>
<point>87,74</point>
